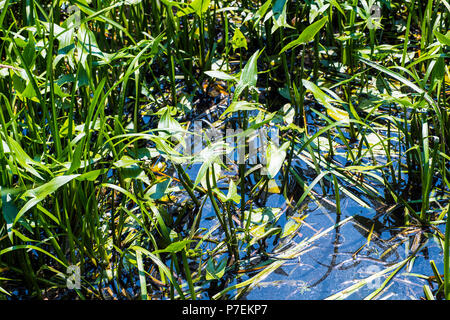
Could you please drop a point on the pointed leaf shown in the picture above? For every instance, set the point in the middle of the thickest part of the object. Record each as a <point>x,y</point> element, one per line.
<point>249,75</point>
<point>238,40</point>
<point>275,158</point>
<point>443,38</point>
<point>220,75</point>
<point>307,34</point>
<point>40,193</point>
<point>215,272</point>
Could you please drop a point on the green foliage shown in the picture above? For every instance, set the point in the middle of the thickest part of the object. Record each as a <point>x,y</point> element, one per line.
<point>98,100</point>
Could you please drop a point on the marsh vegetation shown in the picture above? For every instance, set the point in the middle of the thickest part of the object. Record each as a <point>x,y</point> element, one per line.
<point>135,147</point>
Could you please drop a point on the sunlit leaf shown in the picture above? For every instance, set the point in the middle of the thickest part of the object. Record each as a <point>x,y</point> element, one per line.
<point>335,113</point>
<point>249,76</point>
<point>443,38</point>
<point>213,271</point>
<point>307,34</point>
<point>220,75</point>
<point>238,40</point>
<point>40,193</point>
<point>174,247</point>
<point>275,158</point>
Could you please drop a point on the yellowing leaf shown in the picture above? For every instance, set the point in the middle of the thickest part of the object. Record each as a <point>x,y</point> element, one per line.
<point>238,40</point>
<point>338,114</point>
<point>326,100</point>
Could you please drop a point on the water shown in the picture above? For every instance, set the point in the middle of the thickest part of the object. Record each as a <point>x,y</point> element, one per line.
<point>342,257</point>
<point>330,266</point>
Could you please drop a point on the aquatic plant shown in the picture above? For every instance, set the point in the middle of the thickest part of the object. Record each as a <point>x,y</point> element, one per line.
<point>141,142</point>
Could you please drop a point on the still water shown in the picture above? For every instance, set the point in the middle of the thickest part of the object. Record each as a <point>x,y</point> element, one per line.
<point>331,265</point>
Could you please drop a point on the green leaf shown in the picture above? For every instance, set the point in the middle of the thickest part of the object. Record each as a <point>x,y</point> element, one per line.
<point>238,40</point>
<point>125,161</point>
<point>240,106</point>
<point>428,293</point>
<point>204,167</point>
<point>289,113</point>
<point>23,158</point>
<point>49,187</point>
<point>263,215</point>
<point>87,46</point>
<point>220,75</point>
<point>163,268</point>
<point>197,6</point>
<point>142,281</point>
<point>443,38</point>
<point>31,247</point>
<point>439,70</point>
<point>29,52</point>
<point>249,75</point>
<point>175,247</point>
<point>232,194</point>
<point>259,233</point>
<point>325,100</point>
<point>29,92</point>
<point>40,193</point>
<point>217,171</point>
<point>279,15</point>
<point>278,8</point>
<point>66,40</point>
<point>170,128</point>
<point>336,4</point>
<point>19,83</point>
<point>90,176</point>
<point>83,78</point>
<point>307,34</point>
<point>160,189</point>
<point>275,158</point>
<point>261,12</point>
<point>215,272</point>
<point>10,211</point>
<point>402,80</point>
<point>290,227</point>
<point>262,220</point>
<point>76,161</point>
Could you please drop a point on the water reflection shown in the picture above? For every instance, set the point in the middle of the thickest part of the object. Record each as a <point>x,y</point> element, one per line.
<point>342,258</point>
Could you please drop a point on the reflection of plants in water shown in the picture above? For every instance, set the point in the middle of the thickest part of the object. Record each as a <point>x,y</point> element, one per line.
<point>373,283</point>
<point>296,287</point>
<point>332,265</point>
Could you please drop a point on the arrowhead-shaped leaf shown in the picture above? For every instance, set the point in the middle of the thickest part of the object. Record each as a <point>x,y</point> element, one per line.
<point>307,34</point>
